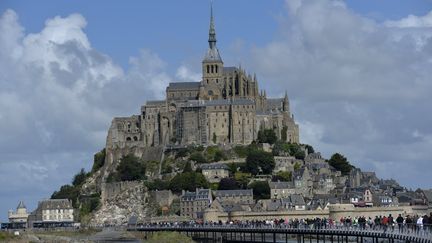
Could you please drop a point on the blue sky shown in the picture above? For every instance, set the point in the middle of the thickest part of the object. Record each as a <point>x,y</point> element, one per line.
<point>357,73</point>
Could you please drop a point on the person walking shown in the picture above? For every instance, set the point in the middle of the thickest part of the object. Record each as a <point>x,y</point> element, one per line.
<point>420,224</point>
<point>399,221</point>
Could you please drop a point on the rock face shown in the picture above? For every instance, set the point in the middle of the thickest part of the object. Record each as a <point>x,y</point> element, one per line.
<point>120,201</point>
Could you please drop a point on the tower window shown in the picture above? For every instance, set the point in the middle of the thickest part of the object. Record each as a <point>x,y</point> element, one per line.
<point>208,69</point>
<point>216,67</point>
<point>212,68</point>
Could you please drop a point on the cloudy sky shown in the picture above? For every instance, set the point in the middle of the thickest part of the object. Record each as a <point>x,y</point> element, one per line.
<point>358,74</point>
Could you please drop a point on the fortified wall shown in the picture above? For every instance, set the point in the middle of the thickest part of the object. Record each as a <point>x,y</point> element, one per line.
<point>334,212</point>
<point>111,190</point>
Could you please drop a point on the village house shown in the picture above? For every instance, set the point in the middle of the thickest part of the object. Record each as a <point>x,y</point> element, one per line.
<point>193,204</point>
<point>214,172</point>
<point>281,189</point>
<point>235,196</point>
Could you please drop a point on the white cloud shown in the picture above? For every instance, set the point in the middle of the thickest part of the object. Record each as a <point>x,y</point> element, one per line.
<point>359,87</point>
<point>57,98</point>
<point>185,74</point>
<point>412,21</point>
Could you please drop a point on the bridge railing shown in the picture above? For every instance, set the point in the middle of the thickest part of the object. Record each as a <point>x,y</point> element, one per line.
<point>423,231</point>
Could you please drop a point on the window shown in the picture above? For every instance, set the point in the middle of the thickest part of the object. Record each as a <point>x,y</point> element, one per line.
<point>208,69</point>
<point>212,69</point>
<point>216,71</point>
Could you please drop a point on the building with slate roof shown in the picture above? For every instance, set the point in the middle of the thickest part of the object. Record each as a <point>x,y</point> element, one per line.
<point>193,204</point>
<point>225,107</point>
<point>53,210</point>
<point>20,216</point>
<point>281,189</point>
<point>235,196</point>
<point>214,172</point>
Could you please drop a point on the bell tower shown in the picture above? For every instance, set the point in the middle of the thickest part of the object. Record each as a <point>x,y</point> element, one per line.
<point>212,64</point>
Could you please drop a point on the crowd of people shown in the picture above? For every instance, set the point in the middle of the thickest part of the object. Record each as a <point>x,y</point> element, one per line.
<point>400,224</point>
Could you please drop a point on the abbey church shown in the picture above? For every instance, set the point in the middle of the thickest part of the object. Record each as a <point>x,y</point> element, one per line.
<point>225,107</point>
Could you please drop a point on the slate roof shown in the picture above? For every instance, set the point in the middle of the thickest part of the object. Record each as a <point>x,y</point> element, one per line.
<point>203,103</point>
<point>55,204</point>
<point>428,195</point>
<point>155,102</point>
<point>225,193</point>
<point>297,199</point>
<point>183,85</point>
<point>229,69</point>
<point>274,205</point>
<point>203,194</point>
<point>212,55</point>
<point>21,205</point>
<point>281,185</point>
<point>188,196</point>
<point>214,166</point>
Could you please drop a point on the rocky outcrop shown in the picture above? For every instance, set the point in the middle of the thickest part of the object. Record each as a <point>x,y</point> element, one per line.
<point>132,200</point>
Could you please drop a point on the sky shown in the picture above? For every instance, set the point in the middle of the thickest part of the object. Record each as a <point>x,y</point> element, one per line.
<point>357,72</point>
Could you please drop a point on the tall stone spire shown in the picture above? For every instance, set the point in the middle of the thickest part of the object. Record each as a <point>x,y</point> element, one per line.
<point>212,31</point>
<point>212,54</point>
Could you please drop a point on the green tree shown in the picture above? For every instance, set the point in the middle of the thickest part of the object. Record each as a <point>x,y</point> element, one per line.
<point>198,157</point>
<point>130,168</point>
<point>188,181</point>
<point>284,133</point>
<point>242,179</point>
<point>157,184</point>
<point>261,190</point>
<point>282,176</point>
<point>267,136</point>
<point>67,192</point>
<point>219,155</point>
<point>79,178</point>
<point>297,166</point>
<point>232,167</point>
<point>309,149</point>
<point>188,167</point>
<point>299,154</point>
<point>98,160</point>
<point>257,159</point>
<point>340,163</point>
<point>183,152</point>
<point>241,151</point>
<point>228,184</point>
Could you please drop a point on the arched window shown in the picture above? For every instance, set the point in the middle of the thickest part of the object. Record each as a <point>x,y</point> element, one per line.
<point>216,67</point>
<point>212,68</point>
<point>208,68</point>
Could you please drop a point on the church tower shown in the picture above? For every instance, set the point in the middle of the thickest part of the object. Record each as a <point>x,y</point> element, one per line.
<point>212,65</point>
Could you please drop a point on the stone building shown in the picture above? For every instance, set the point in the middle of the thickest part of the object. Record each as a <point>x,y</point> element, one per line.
<point>285,163</point>
<point>214,172</point>
<point>53,210</point>
<point>281,189</point>
<point>235,196</point>
<point>20,216</point>
<point>225,107</point>
<point>193,204</point>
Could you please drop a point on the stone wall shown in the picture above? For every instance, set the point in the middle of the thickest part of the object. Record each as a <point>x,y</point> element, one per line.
<point>121,201</point>
<point>344,210</point>
<point>111,190</point>
<point>216,216</point>
<point>334,212</point>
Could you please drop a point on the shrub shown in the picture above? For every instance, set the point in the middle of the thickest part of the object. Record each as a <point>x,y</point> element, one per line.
<point>261,190</point>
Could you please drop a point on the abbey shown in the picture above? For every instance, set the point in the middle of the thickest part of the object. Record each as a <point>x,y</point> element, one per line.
<point>225,107</point>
